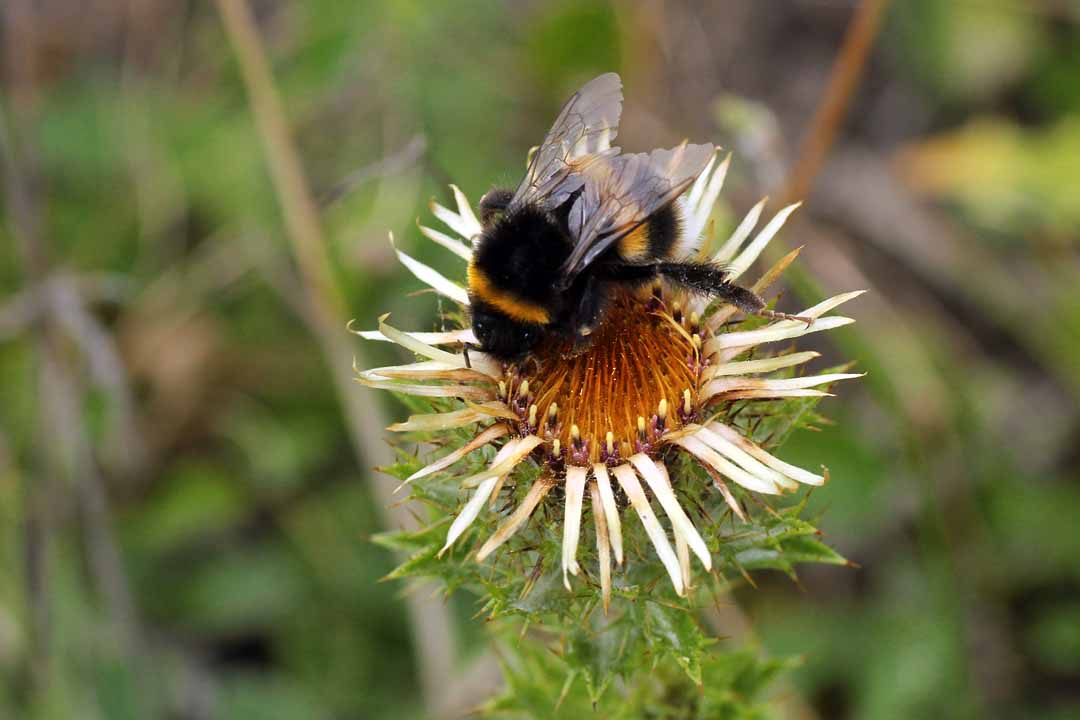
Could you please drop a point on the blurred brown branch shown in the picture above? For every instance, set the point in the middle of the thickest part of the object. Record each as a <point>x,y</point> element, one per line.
<point>430,620</point>
<point>405,157</point>
<point>846,71</point>
<point>38,525</point>
<point>65,451</point>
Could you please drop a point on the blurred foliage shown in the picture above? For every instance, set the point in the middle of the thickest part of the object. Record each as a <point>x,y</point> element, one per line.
<point>969,51</point>
<point>199,400</point>
<point>1009,180</point>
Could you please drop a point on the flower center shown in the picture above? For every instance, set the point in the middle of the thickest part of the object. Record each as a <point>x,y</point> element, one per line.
<point>642,361</point>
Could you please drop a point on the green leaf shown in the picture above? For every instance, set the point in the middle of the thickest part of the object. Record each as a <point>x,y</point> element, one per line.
<point>675,631</point>
<point>603,651</point>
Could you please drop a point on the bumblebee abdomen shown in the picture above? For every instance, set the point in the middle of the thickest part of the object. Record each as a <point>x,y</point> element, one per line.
<point>654,239</point>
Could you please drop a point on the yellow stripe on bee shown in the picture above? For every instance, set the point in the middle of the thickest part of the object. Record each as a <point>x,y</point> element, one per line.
<point>635,245</point>
<point>515,308</point>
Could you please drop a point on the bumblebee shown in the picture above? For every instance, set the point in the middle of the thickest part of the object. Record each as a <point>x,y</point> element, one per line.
<point>583,221</point>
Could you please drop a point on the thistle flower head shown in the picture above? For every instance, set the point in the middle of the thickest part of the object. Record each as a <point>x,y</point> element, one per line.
<point>604,423</point>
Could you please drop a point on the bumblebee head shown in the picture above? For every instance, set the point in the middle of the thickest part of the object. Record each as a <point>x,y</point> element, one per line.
<point>502,336</point>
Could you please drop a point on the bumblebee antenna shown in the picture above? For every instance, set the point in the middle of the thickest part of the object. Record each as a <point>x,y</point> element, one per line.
<point>466,346</point>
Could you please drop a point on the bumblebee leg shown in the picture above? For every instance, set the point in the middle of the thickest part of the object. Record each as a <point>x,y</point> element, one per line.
<point>465,348</point>
<point>784,316</point>
<point>589,311</point>
<point>494,202</point>
<point>711,280</point>
<point>629,274</point>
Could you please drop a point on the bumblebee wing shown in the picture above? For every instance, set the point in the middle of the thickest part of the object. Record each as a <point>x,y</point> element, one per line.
<point>585,127</point>
<point>621,192</point>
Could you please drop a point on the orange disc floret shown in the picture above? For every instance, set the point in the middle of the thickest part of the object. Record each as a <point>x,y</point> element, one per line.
<point>639,358</point>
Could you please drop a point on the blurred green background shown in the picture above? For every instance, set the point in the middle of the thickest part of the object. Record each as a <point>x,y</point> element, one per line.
<point>185,510</point>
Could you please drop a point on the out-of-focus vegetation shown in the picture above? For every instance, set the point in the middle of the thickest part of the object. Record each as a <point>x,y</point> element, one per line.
<point>185,514</point>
